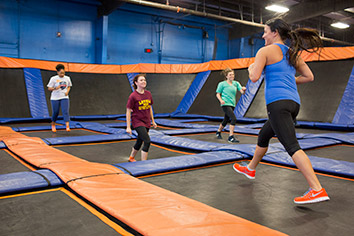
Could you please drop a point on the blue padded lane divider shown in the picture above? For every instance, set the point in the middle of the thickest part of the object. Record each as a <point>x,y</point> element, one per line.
<point>22,181</point>
<point>130,78</point>
<point>327,126</point>
<point>177,163</point>
<point>35,93</point>
<point>192,92</point>
<point>347,138</point>
<point>345,111</point>
<point>246,100</point>
<point>326,165</point>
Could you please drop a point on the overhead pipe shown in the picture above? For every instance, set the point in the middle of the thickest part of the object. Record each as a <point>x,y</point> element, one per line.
<point>213,16</point>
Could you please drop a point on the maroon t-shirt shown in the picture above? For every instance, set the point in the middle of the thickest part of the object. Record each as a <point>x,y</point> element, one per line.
<point>140,104</point>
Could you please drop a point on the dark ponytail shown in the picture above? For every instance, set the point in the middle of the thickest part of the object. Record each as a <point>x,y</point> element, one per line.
<point>300,39</point>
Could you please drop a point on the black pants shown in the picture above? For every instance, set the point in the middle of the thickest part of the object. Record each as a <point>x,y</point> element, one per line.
<point>143,136</point>
<point>281,120</point>
<point>229,115</point>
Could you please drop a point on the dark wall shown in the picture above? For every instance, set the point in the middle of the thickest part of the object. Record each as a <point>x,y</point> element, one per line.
<point>206,102</point>
<point>13,94</point>
<point>319,99</point>
<point>167,90</point>
<point>94,94</point>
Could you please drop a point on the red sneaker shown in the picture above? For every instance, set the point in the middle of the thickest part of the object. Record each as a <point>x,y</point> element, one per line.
<point>244,170</point>
<point>312,196</point>
<point>131,159</point>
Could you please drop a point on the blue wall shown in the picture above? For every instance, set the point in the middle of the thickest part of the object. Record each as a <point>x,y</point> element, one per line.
<point>28,29</point>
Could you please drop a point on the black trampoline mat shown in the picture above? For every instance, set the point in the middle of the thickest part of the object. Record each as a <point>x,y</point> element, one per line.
<point>338,152</point>
<point>59,133</point>
<point>268,200</point>
<point>49,213</point>
<point>112,153</point>
<point>9,164</point>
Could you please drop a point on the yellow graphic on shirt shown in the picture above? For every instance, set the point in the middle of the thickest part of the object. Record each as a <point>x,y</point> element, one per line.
<point>144,104</point>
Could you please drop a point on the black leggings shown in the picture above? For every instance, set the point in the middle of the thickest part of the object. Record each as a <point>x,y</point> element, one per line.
<point>143,136</point>
<point>229,115</point>
<point>281,118</point>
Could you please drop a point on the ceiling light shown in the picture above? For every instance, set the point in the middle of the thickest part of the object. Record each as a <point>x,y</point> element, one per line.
<point>340,25</point>
<point>277,8</point>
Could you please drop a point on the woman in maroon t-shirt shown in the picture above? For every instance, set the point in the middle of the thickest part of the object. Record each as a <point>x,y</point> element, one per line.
<point>140,112</point>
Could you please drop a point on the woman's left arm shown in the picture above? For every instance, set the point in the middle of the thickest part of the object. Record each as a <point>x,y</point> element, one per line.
<point>152,118</point>
<point>256,68</point>
<point>67,92</point>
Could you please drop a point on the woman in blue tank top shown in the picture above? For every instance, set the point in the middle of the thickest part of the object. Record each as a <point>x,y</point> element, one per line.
<point>280,63</point>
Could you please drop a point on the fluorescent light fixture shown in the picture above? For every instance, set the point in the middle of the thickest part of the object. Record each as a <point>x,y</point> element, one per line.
<point>277,8</point>
<point>340,25</point>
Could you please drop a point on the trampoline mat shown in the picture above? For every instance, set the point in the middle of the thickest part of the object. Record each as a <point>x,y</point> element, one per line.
<point>337,152</point>
<point>49,213</point>
<point>9,164</point>
<point>112,153</point>
<point>266,200</point>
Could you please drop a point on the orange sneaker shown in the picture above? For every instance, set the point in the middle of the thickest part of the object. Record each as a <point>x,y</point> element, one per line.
<point>244,170</point>
<point>54,129</point>
<point>131,159</point>
<point>68,128</point>
<point>312,196</point>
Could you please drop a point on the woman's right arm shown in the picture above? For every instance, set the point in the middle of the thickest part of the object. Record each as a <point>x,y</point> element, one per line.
<point>128,116</point>
<point>218,96</point>
<point>304,71</point>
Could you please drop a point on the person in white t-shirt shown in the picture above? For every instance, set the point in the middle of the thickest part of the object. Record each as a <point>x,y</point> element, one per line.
<point>60,86</point>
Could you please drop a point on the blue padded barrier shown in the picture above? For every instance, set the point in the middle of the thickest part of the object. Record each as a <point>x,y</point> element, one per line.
<point>247,149</point>
<point>192,92</point>
<point>130,79</point>
<point>347,138</point>
<point>192,120</point>
<point>101,128</point>
<point>162,115</point>
<point>345,111</point>
<point>309,143</point>
<point>22,181</point>
<point>246,99</point>
<point>178,124</point>
<point>188,131</point>
<point>326,165</point>
<point>116,125</point>
<point>35,93</point>
<point>86,139</point>
<point>177,163</point>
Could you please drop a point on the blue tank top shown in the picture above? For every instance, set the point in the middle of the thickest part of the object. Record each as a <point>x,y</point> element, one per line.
<point>280,81</point>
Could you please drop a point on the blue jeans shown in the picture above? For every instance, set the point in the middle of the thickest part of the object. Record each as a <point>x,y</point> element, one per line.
<point>64,104</point>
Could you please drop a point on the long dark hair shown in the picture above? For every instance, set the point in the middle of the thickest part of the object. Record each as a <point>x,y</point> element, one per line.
<point>136,79</point>
<point>300,39</point>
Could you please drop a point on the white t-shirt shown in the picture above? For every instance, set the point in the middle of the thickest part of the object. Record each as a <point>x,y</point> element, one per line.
<point>63,82</point>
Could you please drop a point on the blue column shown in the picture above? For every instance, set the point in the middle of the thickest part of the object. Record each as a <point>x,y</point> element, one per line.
<point>101,40</point>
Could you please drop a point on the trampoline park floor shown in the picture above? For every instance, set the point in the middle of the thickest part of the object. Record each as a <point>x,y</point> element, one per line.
<point>267,200</point>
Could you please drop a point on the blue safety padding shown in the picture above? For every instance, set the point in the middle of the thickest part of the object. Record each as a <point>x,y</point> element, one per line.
<point>345,111</point>
<point>310,143</point>
<point>86,139</point>
<point>322,125</point>
<point>162,115</point>
<point>188,131</point>
<point>192,120</point>
<point>97,117</point>
<point>326,165</point>
<point>254,126</point>
<point>177,163</point>
<point>116,125</point>
<point>196,116</point>
<point>247,149</point>
<point>130,79</point>
<point>2,145</point>
<point>35,93</point>
<point>100,128</point>
<point>179,124</point>
<point>246,99</point>
<point>184,143</point>
<point>38,128</point>
<point>22,181</point>
<point>251,120</point>
<point>19,120</point>
<point>192,92</point>
<point>347,138</point>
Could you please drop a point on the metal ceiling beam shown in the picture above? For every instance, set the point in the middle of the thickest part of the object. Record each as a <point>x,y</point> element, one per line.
<point>310,9</point>
<point>107,7</point>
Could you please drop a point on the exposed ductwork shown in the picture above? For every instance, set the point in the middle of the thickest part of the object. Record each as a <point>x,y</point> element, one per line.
<point>213,16</point>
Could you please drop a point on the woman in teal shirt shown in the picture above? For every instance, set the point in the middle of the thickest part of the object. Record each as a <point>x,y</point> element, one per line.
<point>226,94</point>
